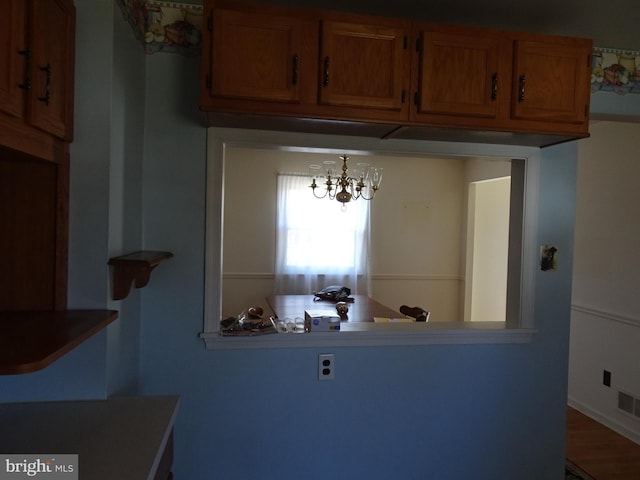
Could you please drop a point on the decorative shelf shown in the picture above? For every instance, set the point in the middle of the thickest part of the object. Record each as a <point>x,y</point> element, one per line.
<point>135,267</point>
<point>31,341</point>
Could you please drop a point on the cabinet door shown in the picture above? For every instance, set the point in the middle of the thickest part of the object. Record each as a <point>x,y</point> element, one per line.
<point>13,58</point>
<point>461,74</point>
<point>52,30</point>
<point>364,65</point>
<point>256,56</point>
<point>551,80</point>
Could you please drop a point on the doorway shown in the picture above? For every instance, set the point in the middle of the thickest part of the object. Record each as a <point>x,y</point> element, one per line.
<point>487,250</point>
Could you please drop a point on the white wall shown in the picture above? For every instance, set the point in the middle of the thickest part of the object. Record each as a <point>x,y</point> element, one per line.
<point>605,320</point>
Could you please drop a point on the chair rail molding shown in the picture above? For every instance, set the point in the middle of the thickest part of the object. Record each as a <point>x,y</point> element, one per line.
<point>606,315</point>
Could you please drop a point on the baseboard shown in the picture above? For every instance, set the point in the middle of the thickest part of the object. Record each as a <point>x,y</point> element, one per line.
<point>604,420</point>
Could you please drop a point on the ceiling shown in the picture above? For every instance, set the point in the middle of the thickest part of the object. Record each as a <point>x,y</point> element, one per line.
<point>610,23</point>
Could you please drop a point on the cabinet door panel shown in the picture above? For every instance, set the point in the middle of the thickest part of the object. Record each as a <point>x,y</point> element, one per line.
<point>363,65</point>
<point>52,43</point>
<point>13,57</point>
<point>551,82</point>
<point>256,56</point>
<point>459,75</point>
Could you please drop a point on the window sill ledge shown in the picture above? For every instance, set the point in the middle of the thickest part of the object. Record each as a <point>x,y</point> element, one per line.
<point>371,335</point>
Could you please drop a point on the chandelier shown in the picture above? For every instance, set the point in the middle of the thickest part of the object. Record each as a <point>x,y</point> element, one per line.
<point>363,183</point>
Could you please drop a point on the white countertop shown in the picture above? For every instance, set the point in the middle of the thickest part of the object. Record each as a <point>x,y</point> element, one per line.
<point>119,438</point>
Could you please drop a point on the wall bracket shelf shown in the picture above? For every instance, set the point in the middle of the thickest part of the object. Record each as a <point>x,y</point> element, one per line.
<point>134,268</point>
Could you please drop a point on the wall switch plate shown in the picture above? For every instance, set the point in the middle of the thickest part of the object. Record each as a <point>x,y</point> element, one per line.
<point>326,366</point>
<point>606,378</point>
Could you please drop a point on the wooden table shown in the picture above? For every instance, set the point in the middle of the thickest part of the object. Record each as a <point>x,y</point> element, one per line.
<point>362,309</point>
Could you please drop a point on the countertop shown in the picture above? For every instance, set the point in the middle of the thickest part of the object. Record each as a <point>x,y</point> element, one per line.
<point>119,438</point>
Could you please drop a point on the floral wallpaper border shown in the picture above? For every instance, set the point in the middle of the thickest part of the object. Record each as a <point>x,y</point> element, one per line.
<point>161,26</point>
<point>615,71</point>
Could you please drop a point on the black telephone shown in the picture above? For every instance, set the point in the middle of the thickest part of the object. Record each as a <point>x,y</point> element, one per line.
<point>334,293</point>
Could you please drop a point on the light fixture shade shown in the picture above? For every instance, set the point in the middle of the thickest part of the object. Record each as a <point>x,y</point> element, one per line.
<point>330,168</point>
<point>315,171</point>
<point>376,177</point>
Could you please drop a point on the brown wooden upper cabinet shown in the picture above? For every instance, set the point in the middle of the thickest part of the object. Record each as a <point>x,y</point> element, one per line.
<point>551,79</point>
<point>400,75</point>
<point>36,84</point>
<point>500,80</point>
<point>272,59</point>
<point>257,56</point>
<point>461,72</point>
<point>258,59</point>
<point>365,64</point>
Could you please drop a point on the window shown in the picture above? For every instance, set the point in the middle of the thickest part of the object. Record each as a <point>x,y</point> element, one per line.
<point>318,243</point>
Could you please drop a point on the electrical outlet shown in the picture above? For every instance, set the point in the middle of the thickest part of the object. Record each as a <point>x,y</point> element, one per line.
<point>326,366</point>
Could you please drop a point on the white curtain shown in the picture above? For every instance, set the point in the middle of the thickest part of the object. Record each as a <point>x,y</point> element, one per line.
<point>318,244</point>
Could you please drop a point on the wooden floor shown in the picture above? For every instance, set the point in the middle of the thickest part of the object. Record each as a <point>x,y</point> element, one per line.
<point>599,451</point>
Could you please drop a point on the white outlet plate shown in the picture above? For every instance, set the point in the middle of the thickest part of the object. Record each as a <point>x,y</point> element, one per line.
<point>326,366</point>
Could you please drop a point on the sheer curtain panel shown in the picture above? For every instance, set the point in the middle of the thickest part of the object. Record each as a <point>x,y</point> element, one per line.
<point>318,244</point>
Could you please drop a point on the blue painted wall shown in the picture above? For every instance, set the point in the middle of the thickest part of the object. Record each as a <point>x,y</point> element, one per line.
<point>81,375</point>
<point>440,412</point>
